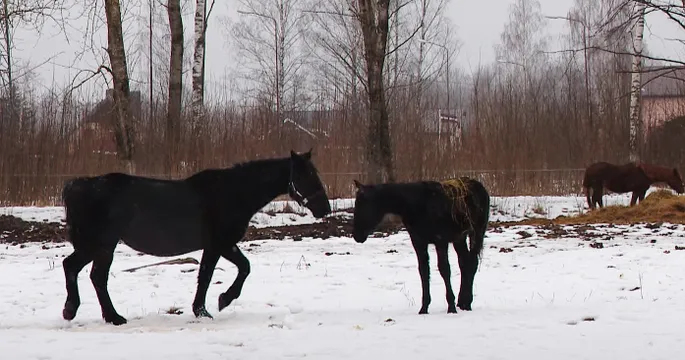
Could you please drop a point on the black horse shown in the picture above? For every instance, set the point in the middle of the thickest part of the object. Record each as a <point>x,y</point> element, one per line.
<point>433,213</point>
<point>210,210</point>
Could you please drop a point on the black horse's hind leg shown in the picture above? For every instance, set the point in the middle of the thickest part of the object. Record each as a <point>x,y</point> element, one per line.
<point>99,276</point>
<point>445,272</point>
<point>421,249</point>
<point>468,263</point>
<point>73,264</point>
<point>237,257</point>
<point>207,264</point>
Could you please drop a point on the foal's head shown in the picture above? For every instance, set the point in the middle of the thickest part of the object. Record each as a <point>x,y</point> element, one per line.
<point>305,187</point>
<point>368,212</point>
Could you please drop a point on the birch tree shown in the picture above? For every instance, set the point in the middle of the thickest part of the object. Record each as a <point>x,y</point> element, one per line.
<point>175,76</point>
<point>635,83</point>
<point>199,66</point>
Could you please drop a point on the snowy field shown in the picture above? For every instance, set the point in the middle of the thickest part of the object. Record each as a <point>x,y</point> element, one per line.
<point>547,298</point>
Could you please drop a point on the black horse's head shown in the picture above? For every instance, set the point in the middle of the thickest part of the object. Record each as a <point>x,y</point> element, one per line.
<point>305,187</point>
<point>367,211</point>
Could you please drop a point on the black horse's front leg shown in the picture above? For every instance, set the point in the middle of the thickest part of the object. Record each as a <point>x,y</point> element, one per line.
<point>209,259</point>
<point>237,257</point>
<point>421,249</point>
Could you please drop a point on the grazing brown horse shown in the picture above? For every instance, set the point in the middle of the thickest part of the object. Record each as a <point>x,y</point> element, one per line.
<point>635,177</point>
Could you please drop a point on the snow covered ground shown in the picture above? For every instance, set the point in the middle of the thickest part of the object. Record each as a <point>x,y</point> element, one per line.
<point>553,298</point>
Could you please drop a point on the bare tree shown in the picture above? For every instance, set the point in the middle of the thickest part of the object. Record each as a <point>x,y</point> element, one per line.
<point>373,19</point>
<point>269,37</point>
<point>119,70</point>
<point>335,41</point>
<point>523,41</point>
<point>434,34</point>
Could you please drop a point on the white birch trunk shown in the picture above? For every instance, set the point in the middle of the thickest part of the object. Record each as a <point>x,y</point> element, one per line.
<point>198,65</point>
<point>635,85</point>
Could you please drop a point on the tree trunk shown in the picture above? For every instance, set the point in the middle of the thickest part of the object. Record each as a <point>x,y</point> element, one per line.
<point>636,84</point>
<point>117,57</point>
<point>373,18</point>
<point>198,67</point>
<point>173,121</point>
<point>10,122</point>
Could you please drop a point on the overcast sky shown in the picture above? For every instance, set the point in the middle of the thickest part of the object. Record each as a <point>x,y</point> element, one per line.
<point>478,26</point>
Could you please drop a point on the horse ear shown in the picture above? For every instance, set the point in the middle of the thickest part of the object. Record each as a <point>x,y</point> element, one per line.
<point>357,184</point>
<point>308,154</point>
<point>293,154</point>
<point>675,172</point>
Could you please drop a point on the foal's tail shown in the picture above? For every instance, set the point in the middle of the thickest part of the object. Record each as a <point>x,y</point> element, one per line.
<point>480,219</point>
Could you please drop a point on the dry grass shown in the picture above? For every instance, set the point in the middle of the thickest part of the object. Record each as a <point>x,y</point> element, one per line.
<point>659,206</point>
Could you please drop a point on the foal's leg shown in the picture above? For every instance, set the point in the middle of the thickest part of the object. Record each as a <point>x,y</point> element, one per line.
<point>209,259</point>
<point>468,263</point>
<point>445,272</point>
<point>421,249</point>
<point>237,257</point>
<point>73,264</point>
<point>99,274</point>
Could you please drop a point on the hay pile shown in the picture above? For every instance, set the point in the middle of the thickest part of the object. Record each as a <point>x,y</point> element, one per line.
<point>659,206</point>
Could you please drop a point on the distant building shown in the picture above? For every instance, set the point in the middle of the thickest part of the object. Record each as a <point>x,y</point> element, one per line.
<point>95,134</point>
<point>663,96</point>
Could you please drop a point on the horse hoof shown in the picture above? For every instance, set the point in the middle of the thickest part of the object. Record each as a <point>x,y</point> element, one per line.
<point>68,314</point>
<point>451,309</point>
<point>464,307</point>
<point>201,312</point>
<point>116,320</point>
<point>224,301</point>
<point>69,311</point>
<point>423,311</point>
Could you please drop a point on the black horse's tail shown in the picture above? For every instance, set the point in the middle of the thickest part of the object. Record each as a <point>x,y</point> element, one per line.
<point>480,217</point>
<point>78,199</point>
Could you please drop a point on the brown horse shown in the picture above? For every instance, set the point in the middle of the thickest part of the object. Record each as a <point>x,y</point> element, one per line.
<point>635,177</point>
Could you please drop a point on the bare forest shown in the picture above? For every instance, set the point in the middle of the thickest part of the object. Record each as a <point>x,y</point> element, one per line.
<point>371,86</point>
